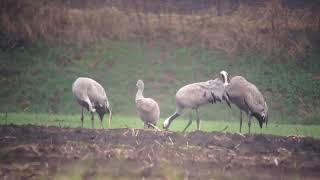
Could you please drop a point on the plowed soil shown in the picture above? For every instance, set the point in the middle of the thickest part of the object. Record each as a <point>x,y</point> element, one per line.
<point>39,152</point>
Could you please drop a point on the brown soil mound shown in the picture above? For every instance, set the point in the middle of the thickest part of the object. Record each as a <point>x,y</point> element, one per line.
<point>38,152</point>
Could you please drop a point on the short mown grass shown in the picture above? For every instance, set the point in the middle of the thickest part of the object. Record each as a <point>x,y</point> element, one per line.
<point>120,121</point>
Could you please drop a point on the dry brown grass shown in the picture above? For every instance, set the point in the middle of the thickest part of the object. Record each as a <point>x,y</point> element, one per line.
<point>272,30</point>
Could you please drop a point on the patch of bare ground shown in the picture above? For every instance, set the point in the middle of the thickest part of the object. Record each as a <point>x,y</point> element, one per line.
<point>35,152</point>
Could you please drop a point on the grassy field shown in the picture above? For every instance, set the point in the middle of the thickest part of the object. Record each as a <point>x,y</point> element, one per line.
<point>38,79</point>
<point>42,55</point>
<point>177,125</point>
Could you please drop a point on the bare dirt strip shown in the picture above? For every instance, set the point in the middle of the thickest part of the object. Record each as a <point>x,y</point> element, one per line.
<point>39,152</point>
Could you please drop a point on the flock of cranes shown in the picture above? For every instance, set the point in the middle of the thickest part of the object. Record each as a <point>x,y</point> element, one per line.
<point>233,90</point>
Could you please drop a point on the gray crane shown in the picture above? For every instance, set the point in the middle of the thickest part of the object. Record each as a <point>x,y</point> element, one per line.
<point>247,97</point>
<point>92,96</point>
<point>192,96</point>
<point>147,108</point>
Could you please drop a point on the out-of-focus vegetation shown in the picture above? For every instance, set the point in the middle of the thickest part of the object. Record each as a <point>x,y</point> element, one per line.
<point>39,79</point>
<point>45,45</point>
<point>271,28</point>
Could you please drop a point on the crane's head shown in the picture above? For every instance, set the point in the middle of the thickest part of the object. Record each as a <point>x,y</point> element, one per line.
<point>104,108</point>
<point>140,84</point>
<point>262,116</point>
<point>225,77</point>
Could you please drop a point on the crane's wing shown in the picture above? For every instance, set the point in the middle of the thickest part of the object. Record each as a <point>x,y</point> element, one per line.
<point>253,103</point>
<point>217,89</point>
<point>226,98</point>
<point>96,94</point>
<point>146,105</point>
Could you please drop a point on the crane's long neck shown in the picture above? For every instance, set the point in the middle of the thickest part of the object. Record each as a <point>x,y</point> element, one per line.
<point>225,78</point>
<point>139,94</point>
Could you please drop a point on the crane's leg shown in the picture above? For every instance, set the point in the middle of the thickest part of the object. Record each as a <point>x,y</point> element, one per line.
<point>198,120</point>
<point>240,120</point>
<point>92,119</point>
<point>110,117</point>
<point>189,123</point>
<point>249,123</point>
<point>81,117</point>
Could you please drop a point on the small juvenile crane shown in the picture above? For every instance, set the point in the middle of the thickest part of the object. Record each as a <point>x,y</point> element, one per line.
<point>147,108</point>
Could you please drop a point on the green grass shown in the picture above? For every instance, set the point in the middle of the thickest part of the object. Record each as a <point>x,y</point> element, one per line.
<point>38,79</point>
<point>120,121</point>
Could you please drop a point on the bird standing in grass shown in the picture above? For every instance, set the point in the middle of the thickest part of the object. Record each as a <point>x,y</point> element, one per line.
<point>247,97</point>
<point>92,96</point>
<point>147,108</point>
<point>192,96</point>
